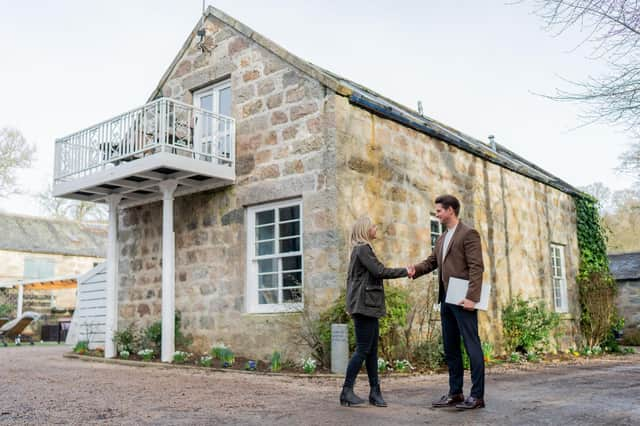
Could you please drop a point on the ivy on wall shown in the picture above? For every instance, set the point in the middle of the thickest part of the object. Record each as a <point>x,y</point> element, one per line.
<point>592,237</point>
<point>596,286</point>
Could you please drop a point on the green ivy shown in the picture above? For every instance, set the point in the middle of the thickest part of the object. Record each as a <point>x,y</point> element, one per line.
<point>592,238</point>
<point>596,286</point>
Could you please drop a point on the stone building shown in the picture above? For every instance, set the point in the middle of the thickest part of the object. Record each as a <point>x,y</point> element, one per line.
<point>33,248</point>
<point>310,152</point>
<point>625,268</point>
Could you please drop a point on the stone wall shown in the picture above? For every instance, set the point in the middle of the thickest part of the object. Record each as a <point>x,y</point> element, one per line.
<point>393,174</point>
<point>285,148</point>
<point>629,303</point>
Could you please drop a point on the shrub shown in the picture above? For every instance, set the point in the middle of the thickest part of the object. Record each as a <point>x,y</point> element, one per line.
<point>487,351</point>
<point>227,357</point>
<point>383,365</point>
<point>81,347</point>
<point>153,334</point>
<point>308,365</point>
<point>599,319</point>
<point>180,357</point>
<point>527,325</point>
<point>429,354</point>
<point>402,365</point>
<point>127,339</point>
<point>515,357</point>
<point>206,360</point>
<point>275,361</point>
<point>124,354</point>
<point>217,351</point>
<point>146,354</point>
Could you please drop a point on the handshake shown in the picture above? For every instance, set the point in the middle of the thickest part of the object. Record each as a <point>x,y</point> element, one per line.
<point>411,271</point>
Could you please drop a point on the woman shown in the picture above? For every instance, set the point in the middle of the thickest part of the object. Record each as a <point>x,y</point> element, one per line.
<point>365,304</point>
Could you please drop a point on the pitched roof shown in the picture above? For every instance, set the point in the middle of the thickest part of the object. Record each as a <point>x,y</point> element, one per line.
<point>54,236</point>
<point>380,105</point>
<point>625,266</point>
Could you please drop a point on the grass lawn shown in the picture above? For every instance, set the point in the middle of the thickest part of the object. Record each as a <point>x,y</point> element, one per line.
<point>11,344</point>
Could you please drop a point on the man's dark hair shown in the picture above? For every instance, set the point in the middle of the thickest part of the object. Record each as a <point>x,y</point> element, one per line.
<point>449,201</point>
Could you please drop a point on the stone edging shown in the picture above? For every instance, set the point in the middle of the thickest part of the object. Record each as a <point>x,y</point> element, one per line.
<point>497,369</point>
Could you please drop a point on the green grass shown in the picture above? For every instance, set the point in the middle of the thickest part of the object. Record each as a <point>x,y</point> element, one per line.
<point>23,344</point>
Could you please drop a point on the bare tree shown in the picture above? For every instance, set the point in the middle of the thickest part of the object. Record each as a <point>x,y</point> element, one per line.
<point>612,29</point>
<point>601,192</point>
<point>15,153</point>
<point>70,209</point>
<point>630,162</point>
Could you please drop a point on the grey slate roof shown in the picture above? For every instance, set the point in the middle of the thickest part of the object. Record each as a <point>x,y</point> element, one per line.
<point>378,104</point>
<point>54,236</point>
<point>625,266</point>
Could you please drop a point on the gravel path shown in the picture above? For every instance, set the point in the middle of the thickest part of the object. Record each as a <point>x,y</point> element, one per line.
<point>39,386</point>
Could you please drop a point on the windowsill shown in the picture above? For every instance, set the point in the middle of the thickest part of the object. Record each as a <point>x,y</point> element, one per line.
<point>292,308</point>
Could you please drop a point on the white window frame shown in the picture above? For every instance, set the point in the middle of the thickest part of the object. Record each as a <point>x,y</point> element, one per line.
<point>559,278</point>
<point>440,229</point>
<point>214,90</point>
<point>252,304</point>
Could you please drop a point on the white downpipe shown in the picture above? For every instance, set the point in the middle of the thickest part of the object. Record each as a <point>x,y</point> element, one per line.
<point>111,320</point>
<point>20,300</point>
<point>168,187</point>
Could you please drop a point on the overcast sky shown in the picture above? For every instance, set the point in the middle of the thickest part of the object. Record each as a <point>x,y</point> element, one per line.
<point>475,65</point>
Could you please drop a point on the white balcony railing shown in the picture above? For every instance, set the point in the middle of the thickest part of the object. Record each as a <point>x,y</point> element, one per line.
<point>164,125</point>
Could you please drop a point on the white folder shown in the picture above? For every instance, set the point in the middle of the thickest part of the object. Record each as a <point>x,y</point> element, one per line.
<point>457,290</point>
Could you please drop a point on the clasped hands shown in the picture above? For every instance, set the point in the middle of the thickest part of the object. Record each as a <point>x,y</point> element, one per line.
<point>467,304</point>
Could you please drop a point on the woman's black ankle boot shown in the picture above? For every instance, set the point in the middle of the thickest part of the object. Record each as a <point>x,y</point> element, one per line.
<point>348,398</point>
<point>375,397</point>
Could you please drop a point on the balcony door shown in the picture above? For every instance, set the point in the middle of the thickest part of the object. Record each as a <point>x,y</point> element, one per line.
<point>213,133</point>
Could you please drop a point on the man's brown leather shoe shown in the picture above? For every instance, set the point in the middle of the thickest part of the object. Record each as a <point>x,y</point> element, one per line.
<point>470,403</point>
<point>448,400</point>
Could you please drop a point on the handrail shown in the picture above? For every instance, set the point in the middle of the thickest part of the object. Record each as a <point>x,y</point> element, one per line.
<point>163,125</point>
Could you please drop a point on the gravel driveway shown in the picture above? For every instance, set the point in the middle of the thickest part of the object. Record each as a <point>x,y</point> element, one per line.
<point>39,386</point>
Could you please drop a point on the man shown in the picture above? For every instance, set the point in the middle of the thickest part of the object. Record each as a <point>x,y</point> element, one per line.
<point>457,253</point>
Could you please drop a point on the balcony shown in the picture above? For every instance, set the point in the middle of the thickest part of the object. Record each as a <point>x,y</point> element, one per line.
<point>132,153</point>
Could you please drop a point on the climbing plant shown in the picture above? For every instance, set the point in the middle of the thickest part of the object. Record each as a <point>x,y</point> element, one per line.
<point>596,287</point>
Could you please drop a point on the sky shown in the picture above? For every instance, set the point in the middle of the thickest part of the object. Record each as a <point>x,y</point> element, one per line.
<point>477,66</point>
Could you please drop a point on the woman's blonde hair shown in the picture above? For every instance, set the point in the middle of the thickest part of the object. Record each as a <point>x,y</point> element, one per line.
<point>360,231</point>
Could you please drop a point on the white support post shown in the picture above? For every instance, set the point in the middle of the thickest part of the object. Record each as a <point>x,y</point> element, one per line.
<point>168,187</point>
<point>111,326</point>
<point>20,300</point>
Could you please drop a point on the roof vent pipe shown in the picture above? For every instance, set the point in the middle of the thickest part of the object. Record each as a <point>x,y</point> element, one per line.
<point>492,142</point>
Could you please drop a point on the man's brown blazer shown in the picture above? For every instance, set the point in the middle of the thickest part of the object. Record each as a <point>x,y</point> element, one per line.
<point>463,260</point>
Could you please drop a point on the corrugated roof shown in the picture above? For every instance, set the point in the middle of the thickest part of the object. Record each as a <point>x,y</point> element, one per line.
<point>625,266</point>
<point>55,236</point>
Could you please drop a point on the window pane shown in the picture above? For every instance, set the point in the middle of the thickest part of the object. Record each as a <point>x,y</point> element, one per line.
<point>267,265</point>
<point>292,295</point>
<point>292,279</point>
<point>268,281</point>
<point>225,102</point>
<point>263,218</point>
<point>266,297</point>
<point>265,232</point>
<point>263,249</point>
<point>291,263</point>
<point>291,244</point>
<point>289,213</point>
<point>206,102</point>
<point>289,229</point>
<point>435,228</point>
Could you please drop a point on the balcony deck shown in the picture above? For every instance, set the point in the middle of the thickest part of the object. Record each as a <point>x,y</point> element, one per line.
<point>133,152</point>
